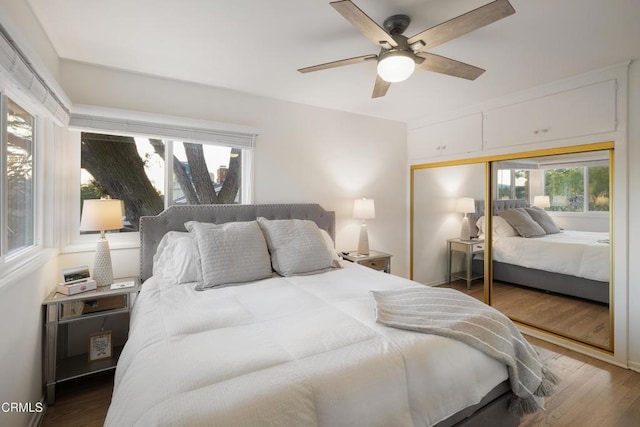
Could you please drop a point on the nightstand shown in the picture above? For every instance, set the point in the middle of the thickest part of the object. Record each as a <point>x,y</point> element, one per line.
<point>77,340</point>
<point>376,260</point>
<point>468,248</point>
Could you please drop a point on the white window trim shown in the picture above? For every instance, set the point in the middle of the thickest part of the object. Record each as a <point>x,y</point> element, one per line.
<point>14,263</point>
<point>122,122</point>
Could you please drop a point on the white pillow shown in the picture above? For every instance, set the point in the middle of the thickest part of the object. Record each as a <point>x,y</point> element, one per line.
<point>234,252</point>
<point>480,225</point>
<point>501,228</point>
<point>176,258</point>
<point>297,247</point>
<point>332,247</point>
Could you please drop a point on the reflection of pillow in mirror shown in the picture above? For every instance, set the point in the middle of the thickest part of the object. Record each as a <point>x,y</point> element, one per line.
<point>543,218</point>
<point>501,228</point>
<point>480,225</point>
<point>523,223</point>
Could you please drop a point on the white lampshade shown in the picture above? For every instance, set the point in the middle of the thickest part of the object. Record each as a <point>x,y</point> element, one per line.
<point>101,215</point>
<point>466,205</point>
<point>541,202</point>
<point>364,209</point>
<point>396,66</point>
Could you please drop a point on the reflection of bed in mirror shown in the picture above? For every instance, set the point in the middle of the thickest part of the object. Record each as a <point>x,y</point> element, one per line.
<point>573,263</point>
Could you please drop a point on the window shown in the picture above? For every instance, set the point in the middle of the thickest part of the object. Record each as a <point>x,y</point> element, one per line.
<point>134,170</point>
<point>18,197</point>
<point>578,189</point>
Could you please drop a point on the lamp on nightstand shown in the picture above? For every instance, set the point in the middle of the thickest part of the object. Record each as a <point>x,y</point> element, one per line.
<point>102,215</point>
<point>364,209</point>
<point>541,202</point>
<point>465,205</point>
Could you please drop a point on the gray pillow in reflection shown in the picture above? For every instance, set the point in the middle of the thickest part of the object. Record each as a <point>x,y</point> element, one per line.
<point>522,222</point>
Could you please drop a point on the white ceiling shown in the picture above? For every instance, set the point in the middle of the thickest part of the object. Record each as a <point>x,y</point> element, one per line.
<point>256,46</point>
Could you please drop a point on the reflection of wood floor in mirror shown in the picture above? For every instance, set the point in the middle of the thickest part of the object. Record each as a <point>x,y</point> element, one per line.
<point>584,320</point>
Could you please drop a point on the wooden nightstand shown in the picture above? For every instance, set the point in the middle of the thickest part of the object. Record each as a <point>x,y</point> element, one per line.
<point>74,322</point>
<point>469,248</point>
<point>377,260</point>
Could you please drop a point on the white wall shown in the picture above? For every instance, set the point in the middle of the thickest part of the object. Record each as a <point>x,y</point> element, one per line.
<point>22,293</point>
<point>436,191</point>
<point>303,153</point>
<point>634,217</point>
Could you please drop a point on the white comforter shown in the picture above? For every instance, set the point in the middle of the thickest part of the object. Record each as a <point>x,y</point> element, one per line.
<point>298,351</point>
<point>576,253</point>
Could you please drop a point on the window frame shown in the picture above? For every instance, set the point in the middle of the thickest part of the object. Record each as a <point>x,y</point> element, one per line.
<point>73,241</point>
<point>10,262</point>
<point>586,212</point>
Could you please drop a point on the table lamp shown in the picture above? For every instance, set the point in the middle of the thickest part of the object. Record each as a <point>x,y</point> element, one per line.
<point>541,202</point>
<point>102,215</point>
<point>465,205</point>
<point>364,209</point>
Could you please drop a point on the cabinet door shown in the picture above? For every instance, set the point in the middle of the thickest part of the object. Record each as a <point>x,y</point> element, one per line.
<point>582,111</point>
<point>463,135</point>
<point>424,141</point>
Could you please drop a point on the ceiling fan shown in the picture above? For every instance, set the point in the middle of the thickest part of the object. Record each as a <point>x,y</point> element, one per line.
<point>399,55</point>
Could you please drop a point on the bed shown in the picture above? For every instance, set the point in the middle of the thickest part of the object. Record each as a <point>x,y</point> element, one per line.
<point>574,263</point>
<point>289,351</point>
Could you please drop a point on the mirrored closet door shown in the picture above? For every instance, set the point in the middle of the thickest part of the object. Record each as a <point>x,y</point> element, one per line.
<point>551,243</point>
<point>544,255</point>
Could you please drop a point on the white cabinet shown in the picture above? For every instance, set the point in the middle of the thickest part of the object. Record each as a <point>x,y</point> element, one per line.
<point>577,112</point>
<point>462,135</point>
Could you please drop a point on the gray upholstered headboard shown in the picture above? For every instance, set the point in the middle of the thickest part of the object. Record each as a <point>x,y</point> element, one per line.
<point>498,205</point>
<point>152,228</point>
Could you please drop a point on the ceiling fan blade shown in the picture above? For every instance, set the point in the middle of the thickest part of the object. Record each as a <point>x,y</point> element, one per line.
<point>339,63</point>
<point>362,22</point>
<point>463,24</point>
<point>451,67</point>
<point>380,88</point>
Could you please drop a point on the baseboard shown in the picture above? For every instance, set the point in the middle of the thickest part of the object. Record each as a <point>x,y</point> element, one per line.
<point>38,417</point>
<point>634,366</point>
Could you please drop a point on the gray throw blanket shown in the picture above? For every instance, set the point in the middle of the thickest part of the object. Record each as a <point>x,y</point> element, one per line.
<point>452,314</point>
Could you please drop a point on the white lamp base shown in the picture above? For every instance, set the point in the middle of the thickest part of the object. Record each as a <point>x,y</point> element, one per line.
<point>363,242</point>
<point>465,231</point>
<point>102,270</point>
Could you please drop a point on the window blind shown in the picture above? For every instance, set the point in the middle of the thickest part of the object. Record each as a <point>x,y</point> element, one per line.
<point>16,65</point>
<point>203,132</point>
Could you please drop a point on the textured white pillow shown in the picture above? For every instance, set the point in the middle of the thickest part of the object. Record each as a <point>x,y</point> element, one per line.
<point>234,252</point>
<point>297,247</point>
<point>176,258</point>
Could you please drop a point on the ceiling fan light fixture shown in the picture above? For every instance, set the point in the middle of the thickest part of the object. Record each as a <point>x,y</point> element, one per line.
<point>396,66</point>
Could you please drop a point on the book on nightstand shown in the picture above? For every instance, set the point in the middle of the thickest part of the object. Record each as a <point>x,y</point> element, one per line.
<point>76,288</point>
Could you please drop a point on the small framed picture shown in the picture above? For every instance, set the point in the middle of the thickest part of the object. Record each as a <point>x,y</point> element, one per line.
<point>100,346</point>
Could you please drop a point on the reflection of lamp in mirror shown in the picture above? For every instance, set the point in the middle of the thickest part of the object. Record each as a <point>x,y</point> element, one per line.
<point>465,205</point>
<point>541,202</point>
<point>364,209</point>
<point>102,215</point>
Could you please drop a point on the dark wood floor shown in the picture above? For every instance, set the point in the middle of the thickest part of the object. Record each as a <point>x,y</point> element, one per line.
<point>591,393</point>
